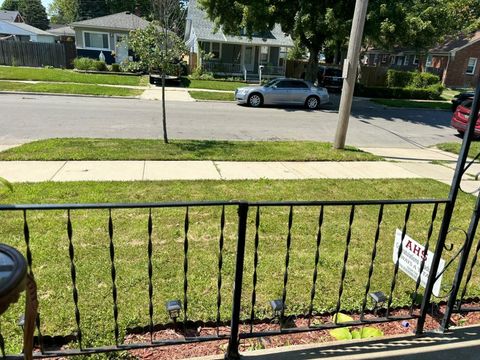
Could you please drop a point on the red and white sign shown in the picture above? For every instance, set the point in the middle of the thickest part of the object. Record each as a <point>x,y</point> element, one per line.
<point>411,259</point>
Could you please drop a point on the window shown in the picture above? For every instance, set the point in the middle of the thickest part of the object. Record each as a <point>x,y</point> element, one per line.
<point>415,60</point>
<point>95,40</point>
<point>283,84</point>
<point>392,60</point>
<point>384,58</point>
<point>428,63</point>
<point>264,54</point>
<point>405,62</point>
<point>282,56</point>
<point>297,84</point>
<point>472,64</point>
<point>216,50</point>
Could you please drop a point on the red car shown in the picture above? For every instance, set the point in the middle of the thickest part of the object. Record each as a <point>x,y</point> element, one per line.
<point>460,118</point>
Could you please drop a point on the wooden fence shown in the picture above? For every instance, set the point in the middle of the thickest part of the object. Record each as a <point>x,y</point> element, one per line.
<point>23,53</point>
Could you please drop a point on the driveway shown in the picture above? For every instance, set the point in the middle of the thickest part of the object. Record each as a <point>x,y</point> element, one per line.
<point>30,117</point>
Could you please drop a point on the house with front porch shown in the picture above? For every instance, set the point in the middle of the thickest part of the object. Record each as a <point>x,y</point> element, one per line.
<point>234,55</point>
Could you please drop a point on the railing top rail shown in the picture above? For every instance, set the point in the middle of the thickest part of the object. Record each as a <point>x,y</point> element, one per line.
<point>21,207</point>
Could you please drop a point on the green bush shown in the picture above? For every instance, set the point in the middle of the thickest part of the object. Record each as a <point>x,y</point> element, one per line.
<point>82,63</point>
<point>403,79</point>
<point>432,92</point>
<point>200,74</point>
<point>132,66</point>
<point>116,67</point>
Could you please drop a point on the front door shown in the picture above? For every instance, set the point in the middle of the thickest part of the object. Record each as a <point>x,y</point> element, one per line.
<point>121,49</point>
<point>249,58</point>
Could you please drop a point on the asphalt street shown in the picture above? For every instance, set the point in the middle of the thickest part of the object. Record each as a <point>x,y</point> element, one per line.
<point>29,117</point>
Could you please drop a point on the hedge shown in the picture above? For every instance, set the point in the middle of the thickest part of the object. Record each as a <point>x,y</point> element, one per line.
<point>83,63</point>
<point>432,92</point>
<point>403,79</point>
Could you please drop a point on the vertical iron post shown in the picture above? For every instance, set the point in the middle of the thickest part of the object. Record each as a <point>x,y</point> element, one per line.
<point>462,157</point>
<point>472,228</point>
<point>233,343</point>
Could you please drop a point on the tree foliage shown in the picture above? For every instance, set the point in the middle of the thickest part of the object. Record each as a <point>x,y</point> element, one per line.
<point>89,9</point>
<point>63,11</point>
<point>34,13</point>
<point>11,5</point>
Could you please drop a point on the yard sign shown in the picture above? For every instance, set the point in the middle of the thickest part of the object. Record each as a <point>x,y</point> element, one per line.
<point>411,259</point>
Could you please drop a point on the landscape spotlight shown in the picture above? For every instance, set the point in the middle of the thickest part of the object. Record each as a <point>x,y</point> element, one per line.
<point>378,299</point>
<point>173,308</point>
<point>277,307</point>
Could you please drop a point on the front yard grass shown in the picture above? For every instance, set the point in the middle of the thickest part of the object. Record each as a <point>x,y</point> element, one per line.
<point>139,149</point>
<point>78,89</point>
<point>51,263</point>
<point>60,75</point>
<point>437,105</point>
<point>455,148</point>
<point>212,96</point>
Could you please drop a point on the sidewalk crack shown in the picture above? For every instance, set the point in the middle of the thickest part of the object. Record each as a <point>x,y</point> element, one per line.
<point>218,170</point>
<point>60,169</point>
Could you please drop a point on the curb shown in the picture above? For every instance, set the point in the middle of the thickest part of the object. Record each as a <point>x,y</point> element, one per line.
<point>67,95</point>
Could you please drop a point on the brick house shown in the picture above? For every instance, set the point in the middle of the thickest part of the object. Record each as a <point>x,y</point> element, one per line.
<point>458,60</point>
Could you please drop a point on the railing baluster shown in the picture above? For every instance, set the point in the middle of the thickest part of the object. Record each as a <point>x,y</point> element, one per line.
<point>150,274</point>
<point>287,262</point>
<point>220,265</point>
<point>185,271</point>
<point>315,270</point>
<point>345,259</point>
<point>255,265</point>
<point>422,264</point>
<point>469,276</point>
<point>114,275</point>
<point>73,271</point>
<point>397,264</point>
<point>372,261</point>
<point>26,235</point>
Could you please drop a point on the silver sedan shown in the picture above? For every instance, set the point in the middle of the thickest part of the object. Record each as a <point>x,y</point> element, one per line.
<point>283,92</point>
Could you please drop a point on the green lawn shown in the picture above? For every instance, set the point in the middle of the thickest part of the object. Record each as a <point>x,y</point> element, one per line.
<point>213,96</point>
<point>59,75</point>
<point>441,105</point>
<point>455,148</point>
<point>139,149</point>
<point>214,84</point>
<point>51,264</point>
<point>81,89</point>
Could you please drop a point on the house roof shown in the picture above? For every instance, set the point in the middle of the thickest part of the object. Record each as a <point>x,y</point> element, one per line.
<point>8,15</point>
<point>456,43</point>
<point>13,28</point>
<point>120,21</point>
<point>204,30</point>
<point>62,31</point>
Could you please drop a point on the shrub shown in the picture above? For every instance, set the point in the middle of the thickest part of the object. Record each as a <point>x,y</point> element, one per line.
<point>116,67</point>
<point>132,66</point>
<point>411,79</point>
<point>83,63</point>
<point>432,92</point>
<point>200,74</point>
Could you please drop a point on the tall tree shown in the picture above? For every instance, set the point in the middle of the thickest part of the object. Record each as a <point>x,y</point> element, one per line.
<point>34,13</point>
<point>11,5</point>
<point>89,9</point>
<point>306,21</point>
<point>63,11</point>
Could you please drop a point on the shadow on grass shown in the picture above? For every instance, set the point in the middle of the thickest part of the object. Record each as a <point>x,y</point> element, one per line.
<point>205,146</point>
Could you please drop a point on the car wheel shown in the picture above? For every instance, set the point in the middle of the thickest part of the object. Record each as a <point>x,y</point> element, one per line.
<point>255,100</point>
<point>312,102</point>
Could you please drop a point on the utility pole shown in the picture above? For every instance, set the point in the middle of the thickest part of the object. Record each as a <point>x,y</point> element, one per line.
<point>350,72</point>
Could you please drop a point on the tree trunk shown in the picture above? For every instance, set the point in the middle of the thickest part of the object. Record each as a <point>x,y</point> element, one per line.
<point>311,73</point>
<point>164,111</point>
<point>338,53</point>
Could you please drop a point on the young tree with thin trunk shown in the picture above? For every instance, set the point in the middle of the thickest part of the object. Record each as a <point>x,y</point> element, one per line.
<point>159,48</point>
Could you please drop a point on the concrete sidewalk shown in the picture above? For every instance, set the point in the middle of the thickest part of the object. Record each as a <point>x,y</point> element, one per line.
<point>38,171</point>
<point>461,343</point>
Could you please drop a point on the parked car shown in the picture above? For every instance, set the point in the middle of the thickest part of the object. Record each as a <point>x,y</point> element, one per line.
<point>461,115</point>
<point>460,98</point>
<point>330,78</point>
<point>283,91</point>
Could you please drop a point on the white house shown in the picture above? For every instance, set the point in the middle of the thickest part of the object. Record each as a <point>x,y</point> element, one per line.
<point>23,32</point>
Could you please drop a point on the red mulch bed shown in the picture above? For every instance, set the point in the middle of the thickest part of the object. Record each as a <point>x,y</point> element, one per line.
<point>322,336</point>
